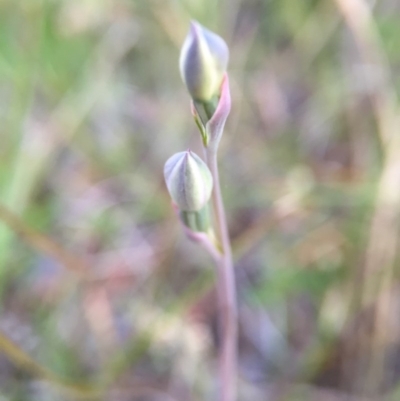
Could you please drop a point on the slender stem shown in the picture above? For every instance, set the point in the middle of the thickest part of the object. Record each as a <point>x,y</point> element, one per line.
<point>226,292</point>
<point>204,240</point>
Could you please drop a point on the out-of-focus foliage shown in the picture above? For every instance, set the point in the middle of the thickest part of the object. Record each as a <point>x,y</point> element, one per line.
<point>102,296</point>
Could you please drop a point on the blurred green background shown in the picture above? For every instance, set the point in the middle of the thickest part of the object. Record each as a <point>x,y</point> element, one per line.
<point>103,297</point>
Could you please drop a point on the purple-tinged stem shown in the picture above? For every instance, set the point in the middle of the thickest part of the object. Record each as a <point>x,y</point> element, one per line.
<point>226,292</point>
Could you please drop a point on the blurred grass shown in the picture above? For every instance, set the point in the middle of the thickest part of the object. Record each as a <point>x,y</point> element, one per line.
<point>97,283</point>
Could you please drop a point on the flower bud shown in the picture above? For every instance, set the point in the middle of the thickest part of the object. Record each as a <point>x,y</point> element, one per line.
<point>203,62</point>
<point>188,180</point>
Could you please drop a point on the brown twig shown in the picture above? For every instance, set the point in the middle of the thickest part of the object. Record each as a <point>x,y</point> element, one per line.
<point>17,356</point>
<point>41,242</point>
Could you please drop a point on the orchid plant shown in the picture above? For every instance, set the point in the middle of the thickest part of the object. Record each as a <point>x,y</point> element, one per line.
<point>194,184</point>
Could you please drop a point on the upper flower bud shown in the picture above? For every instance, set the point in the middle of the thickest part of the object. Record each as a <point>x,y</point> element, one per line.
<point>203,62</point>
<point>188,180</point>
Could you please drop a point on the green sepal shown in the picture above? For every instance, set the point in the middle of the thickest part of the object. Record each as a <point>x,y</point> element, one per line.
<point>198,221</point>
<point>201,128</point>
<point>203,114</point>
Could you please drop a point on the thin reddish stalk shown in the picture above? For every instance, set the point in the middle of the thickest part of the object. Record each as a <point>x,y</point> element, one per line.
<point>226,293</point>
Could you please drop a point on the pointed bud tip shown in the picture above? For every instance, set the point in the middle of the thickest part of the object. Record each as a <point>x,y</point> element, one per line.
<point>193,26</point>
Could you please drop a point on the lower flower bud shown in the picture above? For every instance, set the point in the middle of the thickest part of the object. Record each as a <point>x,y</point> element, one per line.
<point>189,181</point>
